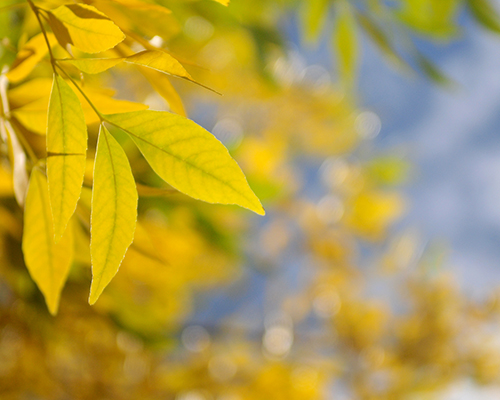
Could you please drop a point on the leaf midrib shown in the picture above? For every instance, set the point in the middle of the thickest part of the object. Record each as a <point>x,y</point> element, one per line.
<point>183,160</point>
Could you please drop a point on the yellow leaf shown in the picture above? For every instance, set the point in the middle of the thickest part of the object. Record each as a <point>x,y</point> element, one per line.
<point>66,150</point>
<point>188,157</point>
<point>29,92</point>
<point>84,27</point>
<point>141,5</point>
<point>162,85</point>
<point>93,65</point>
<point>160,61</point>
<point>114,212</point>
<point>48,263</point>
<point>29,57</point>
<point>33,115</point>
<point>223,2</point>
<point>107,105</point>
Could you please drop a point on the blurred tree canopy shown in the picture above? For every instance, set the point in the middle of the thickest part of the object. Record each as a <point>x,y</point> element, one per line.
<point>91,181</point>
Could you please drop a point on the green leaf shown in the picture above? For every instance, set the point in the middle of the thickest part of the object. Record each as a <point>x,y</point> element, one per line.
<point>114,212</point>
<point>188,157</point>
<point>84,27</point>
<point>346,44</point>
<point>485,14</point>
<point>48,263</point>
<point>66,150</point>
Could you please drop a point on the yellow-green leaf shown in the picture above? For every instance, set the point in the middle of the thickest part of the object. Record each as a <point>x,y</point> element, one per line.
<point>314,15</point>
<point>188,157</point>
<point>84,27</point>
<point>48,263</point>
<point>223,2</point>
<point>346,44</point>
<point>66,151</point>
<point>160,61</point>
<point>114,212</point>
<point>93,65</point>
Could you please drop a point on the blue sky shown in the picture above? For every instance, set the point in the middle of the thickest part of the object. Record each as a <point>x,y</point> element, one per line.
<point>453,138</point>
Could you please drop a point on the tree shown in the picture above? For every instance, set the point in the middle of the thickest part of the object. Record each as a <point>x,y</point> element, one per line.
<point>124,347</point>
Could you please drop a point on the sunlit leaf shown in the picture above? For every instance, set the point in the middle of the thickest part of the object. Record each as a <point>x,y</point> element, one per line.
<point>114,212</point>
<point>33,115</point>
<point>66,150</point>
<point>84,27</point>
<point>48,263</point>
<point>188,157</point>
<point>223,2</point>
<point>160,61</point>
<point>93,65</point>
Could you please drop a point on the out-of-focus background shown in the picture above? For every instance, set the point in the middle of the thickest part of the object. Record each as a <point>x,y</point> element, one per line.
<point>368,129</point>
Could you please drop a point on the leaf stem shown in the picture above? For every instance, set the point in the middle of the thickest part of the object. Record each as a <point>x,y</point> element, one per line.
<point>101,116</point>
<point>44,32</point>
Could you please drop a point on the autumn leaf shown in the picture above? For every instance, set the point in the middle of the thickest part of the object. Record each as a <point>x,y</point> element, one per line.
<point>93,65</point>
<point>29,57</point>
<point>160,61</point>
<point>114,212</point>
<point>188,157</point>
<point>84,27</point>
<point>66,152</point>
<point>48,263</point>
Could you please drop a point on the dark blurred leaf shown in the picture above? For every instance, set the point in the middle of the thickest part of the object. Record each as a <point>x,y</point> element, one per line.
<point>433,72</point>
<point>383,42</point>
<point>485,14</point>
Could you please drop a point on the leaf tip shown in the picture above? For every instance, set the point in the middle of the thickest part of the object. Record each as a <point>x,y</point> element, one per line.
<point>259,210</point>
<point>53,306</point>
<point>94,295</point>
